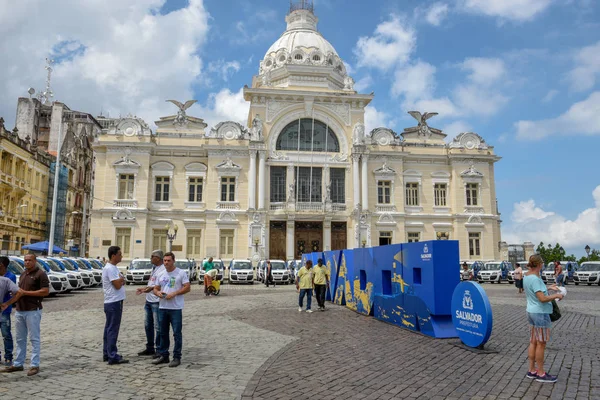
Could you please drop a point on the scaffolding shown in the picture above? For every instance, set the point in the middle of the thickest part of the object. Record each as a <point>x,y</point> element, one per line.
<point>61,205</point>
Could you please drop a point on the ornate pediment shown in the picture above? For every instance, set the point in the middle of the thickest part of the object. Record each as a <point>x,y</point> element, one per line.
<point>130,126</point>
<point>384,137</point>
<point>123,215</point>
<point>469,141</point>
<point>229,130</point>
<point>471,172</point>
<point>228,167</point>
<point>384,170</point>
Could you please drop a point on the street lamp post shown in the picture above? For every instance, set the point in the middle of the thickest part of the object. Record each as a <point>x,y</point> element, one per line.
<point>587,250</point>
<point>171,234</point>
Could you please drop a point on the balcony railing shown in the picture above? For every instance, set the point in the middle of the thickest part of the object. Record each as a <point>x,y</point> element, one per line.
<point>278,206</point>
<point>125,203</point>
<point>309,206</point>
<point>338,207</point>
<point>385,208</point>
<point>228,205</point>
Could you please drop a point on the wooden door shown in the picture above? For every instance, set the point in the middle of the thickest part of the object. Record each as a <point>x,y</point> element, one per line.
<point>277,240</point>
<point>339,239</point>
<point>308,238</point>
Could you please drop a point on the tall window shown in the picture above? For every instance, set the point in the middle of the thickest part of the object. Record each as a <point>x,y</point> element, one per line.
<point>413,237</point>
<point>193,243</point>
<point>338,185</point>
<point>471,194</point>
<point>314,136</point>
<point>162,188</point>
<point>126,182</point>
<point>474,246</point>
<point>159,239</point>
<point>195,190</point>
<point>385,238</point>
<point>278,184</point>
<point>124,240</point>
<point>439,193</point>
<point>309,188</point>
<point>228,188</point>
<point>384,192</point>
<point>226,243</point>
<point>412,194</point>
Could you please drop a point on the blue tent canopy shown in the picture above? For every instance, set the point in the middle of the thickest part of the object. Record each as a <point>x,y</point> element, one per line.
<point>43,246</point>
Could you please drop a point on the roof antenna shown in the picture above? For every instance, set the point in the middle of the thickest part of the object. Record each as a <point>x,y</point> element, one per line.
<point>46,96</point>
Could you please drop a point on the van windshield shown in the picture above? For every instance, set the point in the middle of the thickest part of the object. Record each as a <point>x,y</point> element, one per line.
<point>15,268</point>
<point>140,264</point>
<point>53,266</point>
<point>181,264</point>
<point>277,265</point>
<point>241,265</point>
<point>491,267</point>
<point>590,267</point>
<point>68,265</point>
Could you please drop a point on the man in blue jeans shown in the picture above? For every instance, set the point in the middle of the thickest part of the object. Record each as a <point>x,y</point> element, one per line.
<point>35,286</point>
<point>113,285</point>
<point>170,287</point>
<point>305,283</point>
<point>151,322</point>
<point>5,316</point>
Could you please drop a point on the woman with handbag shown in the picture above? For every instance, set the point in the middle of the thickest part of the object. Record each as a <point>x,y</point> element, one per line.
<point>539,308</point>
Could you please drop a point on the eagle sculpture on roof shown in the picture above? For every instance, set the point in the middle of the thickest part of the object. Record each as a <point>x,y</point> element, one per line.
<point>181,115</point>
<point>422,127</point>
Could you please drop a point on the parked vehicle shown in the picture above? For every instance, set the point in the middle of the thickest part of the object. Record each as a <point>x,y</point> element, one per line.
<point>511,273</point>
<point>278,269</point>
<point>97,274</point>
<point>58,282</point>
<point>241,271</point>
<point>74,281</point>
<point>218,265</point>
<point>67,268</point>
<point>293,267</point>
<point>189,268</point>
<point>474,267</point>
<point>588,273</point>
<point>569,268</point>
<point>139,271</point>
<point>494,272</point>
<point>88,277</point>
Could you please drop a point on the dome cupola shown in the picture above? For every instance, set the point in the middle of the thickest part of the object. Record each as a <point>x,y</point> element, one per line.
<point>303,55</point>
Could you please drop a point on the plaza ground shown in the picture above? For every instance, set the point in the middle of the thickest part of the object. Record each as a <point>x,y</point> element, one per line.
<point>251,342</point>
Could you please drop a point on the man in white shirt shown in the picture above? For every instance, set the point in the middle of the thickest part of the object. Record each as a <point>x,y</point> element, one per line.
<point>113,285</point>
<point>170,287</point>
<point>151,323</point>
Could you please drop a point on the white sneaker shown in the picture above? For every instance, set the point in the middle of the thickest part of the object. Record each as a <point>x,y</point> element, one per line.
<point>309,311</point>
<point>299,309</point>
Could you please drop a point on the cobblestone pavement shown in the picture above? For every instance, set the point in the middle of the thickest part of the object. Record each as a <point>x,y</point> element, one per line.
<point>251,342</point>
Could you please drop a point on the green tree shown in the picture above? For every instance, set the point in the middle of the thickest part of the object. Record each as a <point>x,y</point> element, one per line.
<point>594,256</point>
<point>553,253</point>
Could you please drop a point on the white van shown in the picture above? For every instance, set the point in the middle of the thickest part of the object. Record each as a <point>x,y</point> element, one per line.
<point>588,272</point>
<point>139,271</point>
<point>278,269</point>
<point>494,272</point>
<point>241,271</point>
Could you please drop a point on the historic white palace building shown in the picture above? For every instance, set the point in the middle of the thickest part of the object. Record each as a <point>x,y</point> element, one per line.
<point>302,176</point>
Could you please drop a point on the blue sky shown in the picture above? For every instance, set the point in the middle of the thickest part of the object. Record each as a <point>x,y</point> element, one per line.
<point>524,74</point>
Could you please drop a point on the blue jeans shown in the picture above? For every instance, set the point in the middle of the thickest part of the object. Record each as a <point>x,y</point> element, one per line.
<point>152,326</point>
<point>113,312</point>
<point>8,340</point>
<point>27,322</point>
<point>308,294</point>
<point>170,318</point>
<point>559,280</point>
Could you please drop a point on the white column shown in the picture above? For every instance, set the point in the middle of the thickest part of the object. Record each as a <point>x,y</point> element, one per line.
<point>252,181</point>
<point>289,240</point>
<point>261,180</point>
<point>327,235</point>
<point>365,186</point>
<point>355,179</point>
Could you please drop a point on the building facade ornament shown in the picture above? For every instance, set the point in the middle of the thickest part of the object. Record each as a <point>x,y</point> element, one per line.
<point>384,137</point>
<point>257,129</point>
<point>341,110</point>
<point>358,134</point>
<point>181,118</point>
<point>469,141</point>
<point>229,130</point>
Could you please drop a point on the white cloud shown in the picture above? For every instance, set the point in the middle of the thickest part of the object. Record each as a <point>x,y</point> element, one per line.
<point>392,43</point>
<point>530,222</point>
<point>124,58</point>
<point>517,10</point>
<point>225,69</point>
<point>223,106</point>
<point>456,127</point>
<point>436,13</point>
<point>415,81</point>
<point>582,118</point>
<point>484,71</point>
<point>375,119</point>
<point>363,83</point>
<point>473,99</point>
<point>587,71</point>
<point>550,96</point>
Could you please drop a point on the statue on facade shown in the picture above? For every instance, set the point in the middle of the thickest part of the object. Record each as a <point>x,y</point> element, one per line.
<point>328,192</point>
<point>181,118</point>
<point>422,128</point>
<point>291,192</point>
<point>257,128</point>
<point>358,134</point>
<point>348,83</point>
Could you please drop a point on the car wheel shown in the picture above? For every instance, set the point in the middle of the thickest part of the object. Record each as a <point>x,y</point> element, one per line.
<point>589,284</point>
<point>576,283</point>
<point>128,283</point>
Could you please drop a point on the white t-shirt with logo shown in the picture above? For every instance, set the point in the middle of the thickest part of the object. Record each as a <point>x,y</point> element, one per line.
<point>111,294</point>
<point>170,282</point>
<point>151,297</point>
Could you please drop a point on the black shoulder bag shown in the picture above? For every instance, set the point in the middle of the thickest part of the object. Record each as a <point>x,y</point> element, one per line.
<point>555,315</point>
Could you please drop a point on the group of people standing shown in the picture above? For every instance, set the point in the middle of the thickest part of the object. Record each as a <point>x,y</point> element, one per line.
<point>163,308</point>
<point>309,278</point>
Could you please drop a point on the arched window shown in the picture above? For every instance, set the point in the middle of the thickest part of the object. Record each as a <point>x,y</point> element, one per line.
<point>310,139</point>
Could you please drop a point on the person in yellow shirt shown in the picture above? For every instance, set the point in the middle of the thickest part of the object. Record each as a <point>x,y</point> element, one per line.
<point>304,282</point>
<point>321,282</point>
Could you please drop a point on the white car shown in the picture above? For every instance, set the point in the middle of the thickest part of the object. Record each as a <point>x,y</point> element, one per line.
<point>588,273</point>
<point>494,272</point>
<point>548,272</point>
<point>188,267</point>
<point>278,269</point>
<point>139,271</point>
<point>241,271</point>
<point>74,278</point>
<point>218,265</point>
<point>511,274</point>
